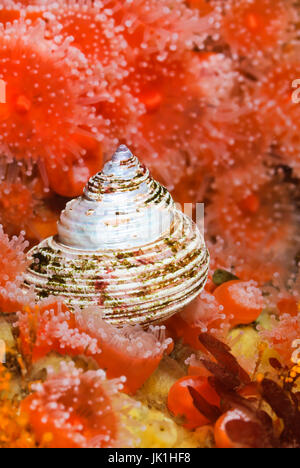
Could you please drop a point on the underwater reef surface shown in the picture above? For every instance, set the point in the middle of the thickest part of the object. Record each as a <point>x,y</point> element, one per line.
<point>206,94</point>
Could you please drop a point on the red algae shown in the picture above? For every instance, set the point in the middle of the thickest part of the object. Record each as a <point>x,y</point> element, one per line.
<point>244,419</point>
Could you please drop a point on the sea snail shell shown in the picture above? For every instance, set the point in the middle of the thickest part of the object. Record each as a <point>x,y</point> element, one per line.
<point>124,246</point>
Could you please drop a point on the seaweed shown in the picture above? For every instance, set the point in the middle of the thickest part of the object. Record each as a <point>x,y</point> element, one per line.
<point>257,429</point>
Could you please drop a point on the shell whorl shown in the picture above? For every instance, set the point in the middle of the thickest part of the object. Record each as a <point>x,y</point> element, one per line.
<point>124,246</point>
<point>121,207</point>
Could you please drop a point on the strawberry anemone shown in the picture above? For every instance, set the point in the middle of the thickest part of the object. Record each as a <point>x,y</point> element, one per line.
<point>17,206</point>
<point>284,331</point>
<point>231,134</point>
<point>94,30</point>
<point>259,219</point>
<point>276,101</point>
<point>40,74</point>
<point>144,62</point>
<point>13,259</point>
<point>9,11</point>
<point>50,327</point>
<point>25,205</point>
<point>172,27</point>
<point>12,10</point>
<point>168,89</point>
<point>204,314</point>
<point>76,409</point>
<point>98,37</point>
<point>180,402</point>
<point>232,303</point>
<point>187,104</point>
<point>255,27</point>
<point>204,6</point>
<point>130,351</point>
<point>13,264</point>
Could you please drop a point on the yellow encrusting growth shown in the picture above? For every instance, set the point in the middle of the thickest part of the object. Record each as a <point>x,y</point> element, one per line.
<point>14,430</point>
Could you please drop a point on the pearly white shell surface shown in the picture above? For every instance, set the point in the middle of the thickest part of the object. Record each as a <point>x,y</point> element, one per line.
<point>123,246</point>
<point>121,207</point>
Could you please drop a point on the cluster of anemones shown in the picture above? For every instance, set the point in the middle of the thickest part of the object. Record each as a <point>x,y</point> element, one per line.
<point>80,405</point>
<point>76,409</point>
<point>71,409</point>
<point>202,91</point>
<point>130,351</point>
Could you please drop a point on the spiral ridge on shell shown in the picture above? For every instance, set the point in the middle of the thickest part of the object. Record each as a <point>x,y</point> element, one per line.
<point>123,246</point>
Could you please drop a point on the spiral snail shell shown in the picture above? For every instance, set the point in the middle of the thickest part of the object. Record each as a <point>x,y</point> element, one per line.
<point>124,246</point>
